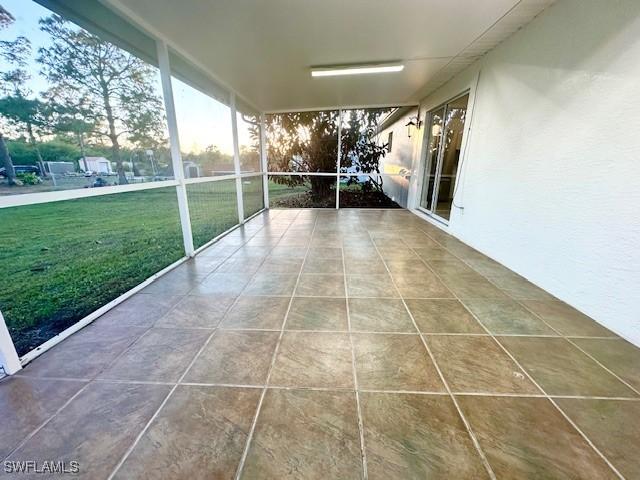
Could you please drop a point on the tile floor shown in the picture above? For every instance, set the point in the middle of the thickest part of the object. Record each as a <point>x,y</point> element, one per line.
<point>333,345</point>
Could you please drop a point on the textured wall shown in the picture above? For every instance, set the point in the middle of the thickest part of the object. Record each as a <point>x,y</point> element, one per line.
<point>552,174</point>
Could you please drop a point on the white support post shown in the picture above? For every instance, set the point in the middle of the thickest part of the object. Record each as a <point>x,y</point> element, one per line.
<point>338,159</point>
<point>9,360</point>
<point>236,158</point>
<point>263,160</point>
<point>176,158</point>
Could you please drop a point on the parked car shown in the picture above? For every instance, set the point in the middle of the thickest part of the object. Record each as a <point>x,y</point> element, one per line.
<point>88,173</point>
<point>21,169</point>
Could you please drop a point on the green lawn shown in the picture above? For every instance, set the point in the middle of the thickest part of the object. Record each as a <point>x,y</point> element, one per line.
<point>60,261</point>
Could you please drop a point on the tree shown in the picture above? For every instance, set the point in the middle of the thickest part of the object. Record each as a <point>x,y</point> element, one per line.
<point>14,53</point>
<point>112,88</point>
<point>308,142</point>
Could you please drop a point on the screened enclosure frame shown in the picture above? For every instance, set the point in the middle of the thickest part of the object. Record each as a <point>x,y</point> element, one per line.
<point>10,362</point>
<point>337,173</point>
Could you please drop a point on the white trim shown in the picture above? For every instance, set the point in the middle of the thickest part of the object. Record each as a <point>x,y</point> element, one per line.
<point>9,360</point>
<point>174,142</point>
<point>61,195</point>
<point>219,178</point>
<point>236,158</point>
<point>39,350</point>
<point>263,160</point>
<point>324,108</point>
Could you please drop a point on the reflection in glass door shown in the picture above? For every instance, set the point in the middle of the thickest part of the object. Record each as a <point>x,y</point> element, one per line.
<point>446,129</point>
<point>431,163</point>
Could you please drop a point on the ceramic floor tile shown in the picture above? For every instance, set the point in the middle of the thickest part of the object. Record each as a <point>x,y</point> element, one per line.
<point>281,265</point>
<point>408,267</point>
<point>323,265</point>
<point>237,358</point>
<point>394,362</point>
<point>478,365</point>
<point>425,285</point>
<point>316,285</point>
<point>271,284</point>
<point>613,426</point>
<point>472,285</point>
<point>310,359</point>
<point>222,284</point>
<point>529,438</point>
<point>371,285</point>
<point>161,355</point>
<point>507,317</point>
<point>324,253</point>
<point>434,253</point>
<point>566,320</point>
<point>141,310</point>
<point>96,428</point>
<point>84,354</point>
<point>518,287</point>
<point>25,403</point>
<point>305,434</point>
<point>442,316</point>
<point>360,266</point>
<point>195,311</point>
<point>619,356</point>
<point>308,313</point>
<point>199,434</point>
<point>257,312</point>
<point>379,315</point>
<point>562,369</point>
<point>417,436</point>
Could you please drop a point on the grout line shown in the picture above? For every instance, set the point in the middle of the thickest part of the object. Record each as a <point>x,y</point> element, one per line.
<point>166,399</point>
<point>254,422</point>
<point>363,452</point>
<point>47,421</point>
<point>570,340</point>
<point>472,435</point>
<point>553,402</point>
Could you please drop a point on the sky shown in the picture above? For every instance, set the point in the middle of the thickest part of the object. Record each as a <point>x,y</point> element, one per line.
<point>202,121</point>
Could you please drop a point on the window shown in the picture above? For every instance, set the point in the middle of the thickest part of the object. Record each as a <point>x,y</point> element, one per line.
<point>389,142</point>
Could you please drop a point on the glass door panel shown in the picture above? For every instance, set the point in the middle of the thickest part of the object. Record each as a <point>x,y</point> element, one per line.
<point>450,155</point>
<point>431,158</point>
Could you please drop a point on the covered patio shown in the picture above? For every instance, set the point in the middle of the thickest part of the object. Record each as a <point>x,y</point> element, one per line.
<point>319,240</point>
<point>333,344</point>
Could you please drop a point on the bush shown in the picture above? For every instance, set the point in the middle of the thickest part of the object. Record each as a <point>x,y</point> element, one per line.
<point>29,178</point>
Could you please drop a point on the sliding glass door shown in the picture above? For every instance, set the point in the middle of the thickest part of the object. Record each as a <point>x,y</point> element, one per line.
<point>442,156</point>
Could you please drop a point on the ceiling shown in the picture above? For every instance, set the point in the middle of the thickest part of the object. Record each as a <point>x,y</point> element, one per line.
<point>263,49</point>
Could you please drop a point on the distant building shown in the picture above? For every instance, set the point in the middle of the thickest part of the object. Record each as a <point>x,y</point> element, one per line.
<point>95,164</point>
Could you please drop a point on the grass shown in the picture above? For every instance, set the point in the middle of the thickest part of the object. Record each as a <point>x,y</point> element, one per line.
<point>61,261</point>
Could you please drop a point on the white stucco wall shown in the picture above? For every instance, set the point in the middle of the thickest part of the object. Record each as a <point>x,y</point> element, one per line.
<point>551,180</point>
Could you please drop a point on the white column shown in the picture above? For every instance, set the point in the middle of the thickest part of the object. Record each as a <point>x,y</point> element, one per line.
<point>176,158</point>
<point>338,159</point>
<point>236,158</point>
<point>9,360</point>
<point>263,160</point>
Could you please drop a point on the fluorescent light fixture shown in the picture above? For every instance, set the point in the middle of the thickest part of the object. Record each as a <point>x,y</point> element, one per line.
<point>356,70</point>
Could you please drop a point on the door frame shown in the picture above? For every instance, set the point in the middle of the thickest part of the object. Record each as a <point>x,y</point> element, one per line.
<point>469,87</point>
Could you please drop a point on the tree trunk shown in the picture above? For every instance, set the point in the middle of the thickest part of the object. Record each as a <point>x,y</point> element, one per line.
<point>113,136</point>
<point>32,140</point>
<point>321,187</point>
<point>9,172</point>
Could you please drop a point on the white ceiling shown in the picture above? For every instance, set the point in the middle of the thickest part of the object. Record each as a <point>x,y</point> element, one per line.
<point>263,49</point>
